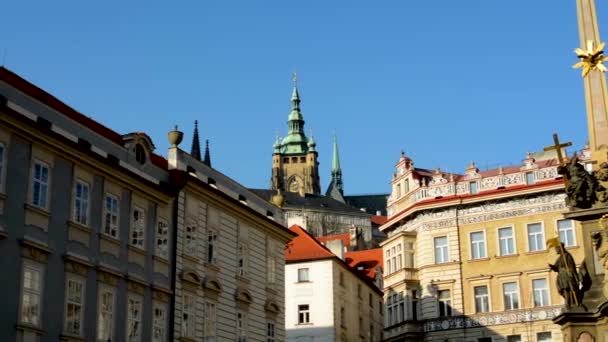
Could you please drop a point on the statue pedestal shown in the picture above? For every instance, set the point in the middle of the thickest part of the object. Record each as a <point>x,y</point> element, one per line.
<point>591,325</point>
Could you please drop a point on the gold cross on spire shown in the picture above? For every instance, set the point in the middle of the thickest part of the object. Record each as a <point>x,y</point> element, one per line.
<point>557,146</point>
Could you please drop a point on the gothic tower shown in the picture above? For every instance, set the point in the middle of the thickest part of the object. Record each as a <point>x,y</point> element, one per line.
<point>294,161</point>
<point>335,189</point>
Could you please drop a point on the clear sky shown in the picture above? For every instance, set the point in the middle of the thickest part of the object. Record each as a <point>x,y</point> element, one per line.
<point>447,81</point>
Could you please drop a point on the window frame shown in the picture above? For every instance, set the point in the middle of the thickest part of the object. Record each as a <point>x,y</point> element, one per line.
<point>212,246</point>
<point>46,184</point>
<point>141,241</point>
<point>572,229</point>
<point>242,252</point>
<point>39,292</point>
<point>156,324</point>
<point>301,272</point>
<point>136,319</point>
<point>446,303</point>
<point>516,292</point>
<point>190,238</point>
<point>162,238</point>
<point>67,302</point>
<point>483,242</point>
<point>210,324</point>
<point>447,249</point>
<point>487,299</point>
<point>106,212</point>
<point>542,236</point>
<point>271,332</point>
<point>513,238</point>
<point>101,290</point>
<point>535,290</point>
<point>303,313</point>
<point>473,187</point>
<point>189,308</point>
<point>81,204</point>
<point>242,325</point>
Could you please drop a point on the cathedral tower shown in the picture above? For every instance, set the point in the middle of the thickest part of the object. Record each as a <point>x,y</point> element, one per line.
<point>294,161</point>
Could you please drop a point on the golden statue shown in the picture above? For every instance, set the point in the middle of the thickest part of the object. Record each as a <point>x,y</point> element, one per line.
<point>591,58</point>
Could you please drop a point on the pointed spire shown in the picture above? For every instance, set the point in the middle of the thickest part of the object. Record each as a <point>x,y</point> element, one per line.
<point>207,160</point>
<point>335,163</point>
<point>196,147</point>
<point>336,188</point>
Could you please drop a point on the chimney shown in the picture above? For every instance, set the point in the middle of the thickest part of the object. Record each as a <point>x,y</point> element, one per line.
<point>336,247</point>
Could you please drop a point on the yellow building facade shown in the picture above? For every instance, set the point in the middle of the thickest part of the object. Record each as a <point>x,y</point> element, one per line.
<point>465,257</point>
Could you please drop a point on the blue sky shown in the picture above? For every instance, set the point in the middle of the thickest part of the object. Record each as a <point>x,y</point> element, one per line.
<point>447,81</point>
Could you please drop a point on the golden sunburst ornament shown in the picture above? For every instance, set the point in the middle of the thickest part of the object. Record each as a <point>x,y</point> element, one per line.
<point>591,58</point>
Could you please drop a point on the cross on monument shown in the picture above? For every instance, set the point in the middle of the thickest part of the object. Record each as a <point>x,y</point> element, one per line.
<point>558,148</point>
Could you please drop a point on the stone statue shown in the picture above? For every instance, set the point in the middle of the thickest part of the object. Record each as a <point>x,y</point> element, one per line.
<point>580,185</point>
<point>601,176</point>
<point>571,284</point>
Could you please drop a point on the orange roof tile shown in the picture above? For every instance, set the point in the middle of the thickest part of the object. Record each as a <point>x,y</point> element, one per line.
<point>379,220</point>
<point>368,260</point>
<point>305,247</point>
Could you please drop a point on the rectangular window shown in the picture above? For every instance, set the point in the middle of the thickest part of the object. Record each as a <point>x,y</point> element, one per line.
<point>399,258</point>
<point>188,316</point>
<point>473,188</point>
<point>445,303</point>
<point>342,317</point>
<point>242,259</point>
<point>529,178</point>
<point>81,202</point>
<point>506,241</point>
<point>303,314</point>
<point>414,305</point>
<point>134,319</point>
<point>241,326</point>
<point>510,295</point>
<point>105,314</point>
<point>389,269</point>
<point>210,322</point>
<point>211,246</point>
<point>271,270</point>
<point>482,303</point>
<point>540,292</point>
<point>162,238</point>
<point>478,245</point>
<point>270,332</point>
<point>514,338</point>
<point>566,232</point>
<point>441,249</point>
<point>190,241</point>
<point>536,237</point>
<point>159,323</point>
<point>111,215</point>
<point>543,337</point>
<point>406,187</point>
<point>138,227</point>
<point>74,302</point>
<point>31,294</point>
<point>40,185</point>
<point>303,275</point>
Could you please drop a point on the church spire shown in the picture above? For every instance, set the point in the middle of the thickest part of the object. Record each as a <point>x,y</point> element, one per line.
<point>207,159</point>
<point>195,150</point>
<point>336,188</point>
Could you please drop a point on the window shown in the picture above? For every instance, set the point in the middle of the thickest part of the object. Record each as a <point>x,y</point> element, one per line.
<point>159,324</point>
<point>370,299</point>
<point>441,249</point>
<point>140,154</point>
<point>40,185</point>
<point>482,303</point>
<point>271,270</point>
<point>342,317</point>
<point>510,296</point>
<point>473,188</point>
<point>31,294</point>
<point>188,315</point>
<point>529,178</point>
<point>111,214</point>
<point>399,258</point>
<point>190,242</point>
<point>514,338</point>
<point>406,188</point>
<point>398,191</point>
<point>303,275</point>
<point>241,326</point>
<point>536,237</point>
<point>566,232</point>
<point>409,255</point>
<point>81,202</point>
<point>395,308</point>
<point>270,332</point>
<point>506,241</point>
<point>210,322</point>
<point>211,246</point>
<point>303,314</point>
<point>105,314</point>
<point>74,302</point>
<point>478,245</point>
<point>445,303</point>
<point>162,238</point>
<point>540,292</point>
<point>543,337</point>
<point>389,269</point>
<point>138,227</point>
<point>133,319</point>
<point>414,305</point>
<point>242,259</point>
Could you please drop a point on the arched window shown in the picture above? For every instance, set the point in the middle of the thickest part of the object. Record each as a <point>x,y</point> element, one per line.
<point>140,154</point>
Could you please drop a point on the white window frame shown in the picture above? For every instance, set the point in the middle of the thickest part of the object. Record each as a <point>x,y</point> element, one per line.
<point>188,315</point>
<point>212,246</point>
<point>473,187</point>
<point>134,320</point>
<point>303,275</point>
<point>80,204</point>
<point>474,245</point>
<point>159,322</point>
<point>500,239</point>
<point>271,269</point>
<point>303,313</point>
<point>541,241</point>
<point>32,292</point>
<point>137,236</point>
<point>109,228</point>
<point>104,313</point>
<point>190,239</point>
<point>484,299</point>
<point>162,237</point>
<point>399,257</point>
<point>389,269</point>
<point>43,201</point>
<point>530,178</point>
<point>210,329</point>
<point>444,249</point>
<point>271,332</point>
<point>541,338</point>
<point>536,290</point>
<point>242,325</point>
<point>446,303</point>
<point>71,327</point>
<point>572,230</point>
<point>510,296</point>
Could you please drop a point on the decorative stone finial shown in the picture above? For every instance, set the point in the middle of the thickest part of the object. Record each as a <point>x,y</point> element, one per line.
<point>278,199</point>
<point>175,137</point>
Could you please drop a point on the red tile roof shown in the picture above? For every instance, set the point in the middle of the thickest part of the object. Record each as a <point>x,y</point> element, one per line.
<point>305,247</point>
<point>367,259</point>
<point>379,220</point>
<point>344,237</point>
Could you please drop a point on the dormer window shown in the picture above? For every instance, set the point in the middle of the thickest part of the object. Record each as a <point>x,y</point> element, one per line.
<point>140,154</point>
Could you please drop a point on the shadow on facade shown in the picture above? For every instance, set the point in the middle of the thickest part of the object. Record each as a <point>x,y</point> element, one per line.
<point>311,333</point>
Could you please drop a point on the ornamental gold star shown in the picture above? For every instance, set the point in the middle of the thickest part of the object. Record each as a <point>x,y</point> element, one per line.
<point>591,58</point>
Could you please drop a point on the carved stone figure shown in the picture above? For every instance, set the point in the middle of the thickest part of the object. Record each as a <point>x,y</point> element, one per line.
<point>580,185</point>
<point>601,176</point>
<point>571,284</point>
